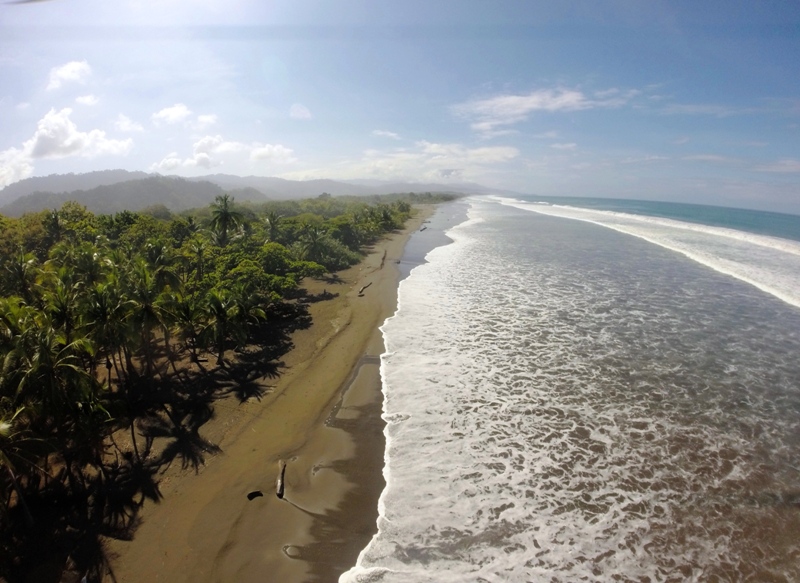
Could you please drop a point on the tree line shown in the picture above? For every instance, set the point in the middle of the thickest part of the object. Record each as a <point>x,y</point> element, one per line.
<point>133,324</point>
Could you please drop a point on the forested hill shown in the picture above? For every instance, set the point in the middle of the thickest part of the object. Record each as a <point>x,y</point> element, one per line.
<point>133,195</point>
<point>283,189</point>
<point>111,191</point>
<point>56,183</point>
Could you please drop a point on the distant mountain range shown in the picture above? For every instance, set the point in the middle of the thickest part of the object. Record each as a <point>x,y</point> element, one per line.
<point>110,191</point>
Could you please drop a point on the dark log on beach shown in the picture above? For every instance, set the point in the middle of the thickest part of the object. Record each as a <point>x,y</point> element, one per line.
<point>279,484</point>
<point>361,291</point>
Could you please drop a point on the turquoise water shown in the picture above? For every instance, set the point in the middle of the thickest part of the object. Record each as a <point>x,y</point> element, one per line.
<point>760,222</point>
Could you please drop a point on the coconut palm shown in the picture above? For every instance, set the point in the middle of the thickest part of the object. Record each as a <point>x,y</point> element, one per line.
<point>219,308</point>
<point>188,313</point>
<point>224,218</point>
<point>21,272</point>
<point>13,451</point>
<point>106,312</point>
<point>313,243</point>
<point>273,221</point>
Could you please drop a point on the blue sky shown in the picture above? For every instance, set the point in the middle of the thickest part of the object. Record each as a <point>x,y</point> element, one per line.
<point>683,101</point>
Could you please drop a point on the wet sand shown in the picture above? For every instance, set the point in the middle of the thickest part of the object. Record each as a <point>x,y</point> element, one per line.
<point>322,418</point>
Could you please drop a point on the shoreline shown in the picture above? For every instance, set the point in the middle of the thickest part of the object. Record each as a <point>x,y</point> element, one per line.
<point>322,417</point>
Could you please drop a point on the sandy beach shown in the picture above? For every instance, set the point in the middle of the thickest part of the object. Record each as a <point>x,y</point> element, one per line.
<point>322,418</point>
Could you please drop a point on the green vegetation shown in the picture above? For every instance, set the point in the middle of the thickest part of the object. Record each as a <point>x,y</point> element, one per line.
<point>132,324</point>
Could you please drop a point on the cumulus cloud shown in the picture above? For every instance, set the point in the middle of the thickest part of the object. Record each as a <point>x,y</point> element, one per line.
<point>385,134</point>
<point>170,162</point>
<point>209,151</point>
<point>57,136</point>
<point>487,115</point>
<point>87,100</point>
<point>299,111</point>
<point>272,152</point>
<point>172,115</point>
<point>785,166</point>
<point>126,124</point>
<point>72,72</point>
<point>564,146</point>
<point>14,165</point>
<point>204,122</point>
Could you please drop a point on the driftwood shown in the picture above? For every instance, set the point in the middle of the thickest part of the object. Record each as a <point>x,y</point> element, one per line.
<point>361,291</point>
<point>279,484</point>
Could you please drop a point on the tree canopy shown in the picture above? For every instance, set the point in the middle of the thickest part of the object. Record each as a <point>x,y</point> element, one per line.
<point>127,323</point>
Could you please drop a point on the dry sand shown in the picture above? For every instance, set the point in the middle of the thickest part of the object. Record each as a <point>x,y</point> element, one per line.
<point>321,417</point>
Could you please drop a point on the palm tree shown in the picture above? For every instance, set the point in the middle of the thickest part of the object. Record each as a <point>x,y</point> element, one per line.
<point>13,442</point>
<point>106,312</point>
<point>219,308</point>
<point>273,221</point>
<point>144,293</point>
<point>224,218</point>
<point>246,310</point>
<point>313,243</point>
<point>22,272</point>
<point>61,304</point>
<point>188,313</point>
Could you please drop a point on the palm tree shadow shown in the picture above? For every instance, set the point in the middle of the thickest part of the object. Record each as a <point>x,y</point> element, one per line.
<point>249,390</point>
<point>186,444</point>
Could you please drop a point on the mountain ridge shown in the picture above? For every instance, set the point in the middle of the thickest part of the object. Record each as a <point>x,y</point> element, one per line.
<point>109,191</point>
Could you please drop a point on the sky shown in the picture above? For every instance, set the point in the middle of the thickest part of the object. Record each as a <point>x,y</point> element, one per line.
<point>687,101</point>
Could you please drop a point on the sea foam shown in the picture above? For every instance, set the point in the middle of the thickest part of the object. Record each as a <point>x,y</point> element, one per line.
<point>566,404</point>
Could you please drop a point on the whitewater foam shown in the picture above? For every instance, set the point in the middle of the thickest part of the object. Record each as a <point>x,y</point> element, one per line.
<point>566,404</point>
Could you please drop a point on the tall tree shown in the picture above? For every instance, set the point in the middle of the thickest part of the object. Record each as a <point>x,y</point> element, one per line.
<point>224,218</point>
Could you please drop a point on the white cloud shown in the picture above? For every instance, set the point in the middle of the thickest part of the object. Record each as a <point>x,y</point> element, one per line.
<point>489,114</point>
<point>74,71</point>
<point>272,152</point>
<point>126,124</point>
<point>87,100</point>
<point>785,166</point>
<point>426,161</point>
<point>172,115</point>
<point>449,153</point>
<point>57,136</point>
<point>204,122</point>
<point>385,134</point>
<point>207,144</point>
<point>14,166</point>
<point>170,162</point>
<point>23,105</point>
<point>298,111</point>
<point>505,109</point>
<point>564,146</point>
<point>209,151</point>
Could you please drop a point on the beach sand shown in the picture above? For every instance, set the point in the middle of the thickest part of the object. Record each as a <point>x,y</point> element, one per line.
<point>322,418</point>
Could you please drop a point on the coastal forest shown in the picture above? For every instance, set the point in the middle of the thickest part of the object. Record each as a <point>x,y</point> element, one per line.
<point>117,329</point>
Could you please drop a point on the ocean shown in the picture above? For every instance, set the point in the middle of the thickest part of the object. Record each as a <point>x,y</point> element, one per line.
<point>580,392</point>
